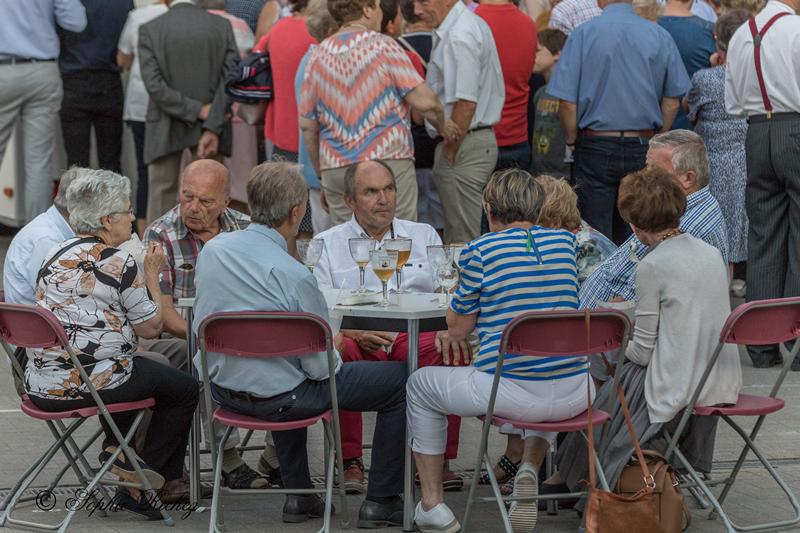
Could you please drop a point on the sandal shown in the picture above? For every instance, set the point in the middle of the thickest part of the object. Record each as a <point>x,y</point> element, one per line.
<point>507,466</point>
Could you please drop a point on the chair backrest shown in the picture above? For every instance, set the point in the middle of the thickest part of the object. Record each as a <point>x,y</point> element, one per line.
<point>763,322</point>
<point>264,334</point>
<point>563,333</point>
<point>30,327</point>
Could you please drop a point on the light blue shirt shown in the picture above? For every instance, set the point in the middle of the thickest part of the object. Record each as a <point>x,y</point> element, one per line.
<point>312,180</point>
<point>27,252</point>
<point>617,67</point>
<point>28,27</point>
<point>249,270</point>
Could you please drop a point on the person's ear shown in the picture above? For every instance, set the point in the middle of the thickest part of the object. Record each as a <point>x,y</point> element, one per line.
<point>688,180</point>
<point>350,202</point>
<point>227,200</point>
<point>557,56</point>
<point>106,222</point>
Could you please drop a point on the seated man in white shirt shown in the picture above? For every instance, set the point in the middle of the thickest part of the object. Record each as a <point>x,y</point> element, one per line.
<point>370,193</point>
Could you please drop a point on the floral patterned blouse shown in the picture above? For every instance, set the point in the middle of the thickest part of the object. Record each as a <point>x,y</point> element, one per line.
<point>96,292</point>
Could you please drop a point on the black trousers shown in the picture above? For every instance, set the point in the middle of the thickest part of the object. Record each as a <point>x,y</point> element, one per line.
<point>137,129</point>
<point>361,386</point>
<point>773,207</point>
<point>600,164</point>
<point>176,394</point>
<point>92,98</point>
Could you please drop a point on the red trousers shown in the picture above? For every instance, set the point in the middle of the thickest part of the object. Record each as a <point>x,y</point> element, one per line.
<point>350,422</point>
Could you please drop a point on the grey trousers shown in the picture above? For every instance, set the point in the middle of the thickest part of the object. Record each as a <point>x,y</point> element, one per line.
<point>31,93</point>
<point>773,207</point>
<point>461,185</point>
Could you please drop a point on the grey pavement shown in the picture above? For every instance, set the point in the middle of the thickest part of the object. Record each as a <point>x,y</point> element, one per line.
<point>754,498</point>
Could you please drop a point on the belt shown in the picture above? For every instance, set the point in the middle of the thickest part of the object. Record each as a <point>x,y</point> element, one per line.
<point>20,60</point>
<point>478,128</point>
<point>646,134</point>
<point>789,115</point>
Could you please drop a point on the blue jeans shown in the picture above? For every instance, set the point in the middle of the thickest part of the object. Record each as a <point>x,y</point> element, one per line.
<point>600,164</point>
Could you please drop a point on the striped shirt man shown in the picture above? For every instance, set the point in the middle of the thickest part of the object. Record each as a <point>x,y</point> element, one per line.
<point>617,275</point>
<point>511,272</point>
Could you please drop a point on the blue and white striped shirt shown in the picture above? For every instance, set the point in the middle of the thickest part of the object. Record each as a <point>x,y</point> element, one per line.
<point>511,272</point>
<point>617,275</point>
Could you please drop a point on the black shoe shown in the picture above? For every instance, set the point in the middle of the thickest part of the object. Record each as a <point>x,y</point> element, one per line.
<point>141,507</point>
<point>373,515</point>
<point>244,477</point>
<point>561,488</point>
<point>796,363</point>
<point>125,469</point>
<point>766,360</point>
<point>300,508</point>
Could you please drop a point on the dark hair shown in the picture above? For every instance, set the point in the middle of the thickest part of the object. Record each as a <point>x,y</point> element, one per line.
<point>552,39</point>
<point>407,9</point>
<point>389,10</point>
<point>298,5</point>
<point>727,24</point>
<point>352,170</point>
<point>344,11</point>
<point>651,200</point>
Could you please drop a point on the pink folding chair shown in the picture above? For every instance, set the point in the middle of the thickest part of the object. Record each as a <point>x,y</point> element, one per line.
<point>549,334</point>
<point>266,335</point>
<point>754,323</point>
<point>35,327</point>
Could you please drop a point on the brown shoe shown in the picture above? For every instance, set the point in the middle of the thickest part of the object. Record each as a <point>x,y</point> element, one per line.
<point>177,491</point>
<point>354,476</point>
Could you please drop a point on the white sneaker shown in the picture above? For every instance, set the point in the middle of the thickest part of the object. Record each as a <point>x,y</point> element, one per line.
<point>440,519</point>
<point>523,515</point>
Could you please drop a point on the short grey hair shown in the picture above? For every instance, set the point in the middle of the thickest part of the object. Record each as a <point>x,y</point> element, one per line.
<point>727,24</point>
<point>93,195</point>
<point>273,191</point>
<point>352,171</point>
<point>69,175</point>
<point>688,152</point>
<point>514,196</point>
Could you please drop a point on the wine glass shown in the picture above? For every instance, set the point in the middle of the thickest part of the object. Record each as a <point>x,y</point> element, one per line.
<point>448,279</point>
<point>457,247</point>
<point>310,251</point>
<point>359,251</point>
<point>384,264</point>
<point>439,255</point>
<point>403,248</point>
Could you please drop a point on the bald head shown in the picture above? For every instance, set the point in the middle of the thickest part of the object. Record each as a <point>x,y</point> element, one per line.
<point>205,194</point>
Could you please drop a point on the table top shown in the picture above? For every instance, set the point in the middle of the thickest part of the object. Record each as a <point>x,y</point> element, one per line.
<point>412,306</point>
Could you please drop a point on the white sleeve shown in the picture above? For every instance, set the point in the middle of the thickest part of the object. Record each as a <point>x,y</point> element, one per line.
<point>126,43</point>
<point>648,307</point>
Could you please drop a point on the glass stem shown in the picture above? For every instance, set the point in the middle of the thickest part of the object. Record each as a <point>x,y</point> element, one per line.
<point>399,279</point>
<point>385,295</point>
<point>361,271</point>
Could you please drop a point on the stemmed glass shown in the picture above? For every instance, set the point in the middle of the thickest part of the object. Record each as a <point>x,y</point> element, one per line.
<point>439,255</point>
<point>359,251</point>
<point>383,263</point>
<point>457,248</point>
<point>310,251</point>
<point>403,248</point>
<point>448,279</point>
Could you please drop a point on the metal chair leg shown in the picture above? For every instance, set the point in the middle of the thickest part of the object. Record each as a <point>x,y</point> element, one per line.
<point>329,460</point>
<point>213,524</point>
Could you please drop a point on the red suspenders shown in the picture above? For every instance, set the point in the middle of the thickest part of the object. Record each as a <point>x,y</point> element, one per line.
<point>757,38</point>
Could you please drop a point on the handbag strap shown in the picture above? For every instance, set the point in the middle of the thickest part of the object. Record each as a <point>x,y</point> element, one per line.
<point>55,256</point>
<point>408,46</point>
<point>649,481</point>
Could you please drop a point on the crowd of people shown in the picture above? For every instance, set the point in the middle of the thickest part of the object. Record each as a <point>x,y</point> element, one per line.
<point>579,153</point>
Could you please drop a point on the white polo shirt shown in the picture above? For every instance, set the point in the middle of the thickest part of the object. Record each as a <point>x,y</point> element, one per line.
<point>780,63</point>
<point>336,268</point>
<point>464,65</point>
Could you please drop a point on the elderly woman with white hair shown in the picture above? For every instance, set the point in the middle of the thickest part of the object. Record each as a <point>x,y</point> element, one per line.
<point>105,304</point>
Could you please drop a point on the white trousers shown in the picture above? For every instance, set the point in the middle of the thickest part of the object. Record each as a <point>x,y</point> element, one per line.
<point>434,392</point>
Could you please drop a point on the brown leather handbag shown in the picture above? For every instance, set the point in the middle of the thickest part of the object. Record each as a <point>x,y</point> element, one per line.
<point>671,508</point>
<point>608,512</point>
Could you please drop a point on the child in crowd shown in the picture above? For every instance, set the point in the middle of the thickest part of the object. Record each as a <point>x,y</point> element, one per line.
<point>549,150</point>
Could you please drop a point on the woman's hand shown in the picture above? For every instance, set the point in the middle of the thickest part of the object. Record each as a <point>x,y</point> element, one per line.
<point>154,260</point>
<point>453,352</point>
<point>451,132</point>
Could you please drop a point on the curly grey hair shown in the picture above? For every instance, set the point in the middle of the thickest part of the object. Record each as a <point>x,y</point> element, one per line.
<point>64,182</point>
<point>688,152</point>
<point>93,195</point>
<point>273,191</point>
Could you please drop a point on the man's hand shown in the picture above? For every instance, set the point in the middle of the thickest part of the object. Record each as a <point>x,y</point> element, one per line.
<point>451,132</point>
<point>204,111</point>
<point>453,352</point>
<point>371,341</point>
<point>208,145</point>
<point>338,342</point>
<point>449,151</point>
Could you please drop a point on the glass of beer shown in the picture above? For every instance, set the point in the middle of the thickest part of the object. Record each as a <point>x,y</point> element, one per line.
<point>384,264</point>
<point>310,251</point>
<point>359,251</point>
<point>403,248</point>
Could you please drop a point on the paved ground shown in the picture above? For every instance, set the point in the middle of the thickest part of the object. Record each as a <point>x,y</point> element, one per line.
<point>753,499</point>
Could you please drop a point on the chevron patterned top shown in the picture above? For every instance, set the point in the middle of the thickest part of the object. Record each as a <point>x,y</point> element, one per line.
<point>354,87</point>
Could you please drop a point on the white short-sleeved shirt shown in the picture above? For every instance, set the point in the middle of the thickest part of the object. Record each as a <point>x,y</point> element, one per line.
<point>97,294</point>
<point>336,268</point>
<point>136,97</point>
<point>464,65</point>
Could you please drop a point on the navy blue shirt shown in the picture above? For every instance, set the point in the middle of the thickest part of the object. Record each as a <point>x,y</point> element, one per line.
<point>617,67</point>
<point>95,48</point>
<point>695,40</point>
